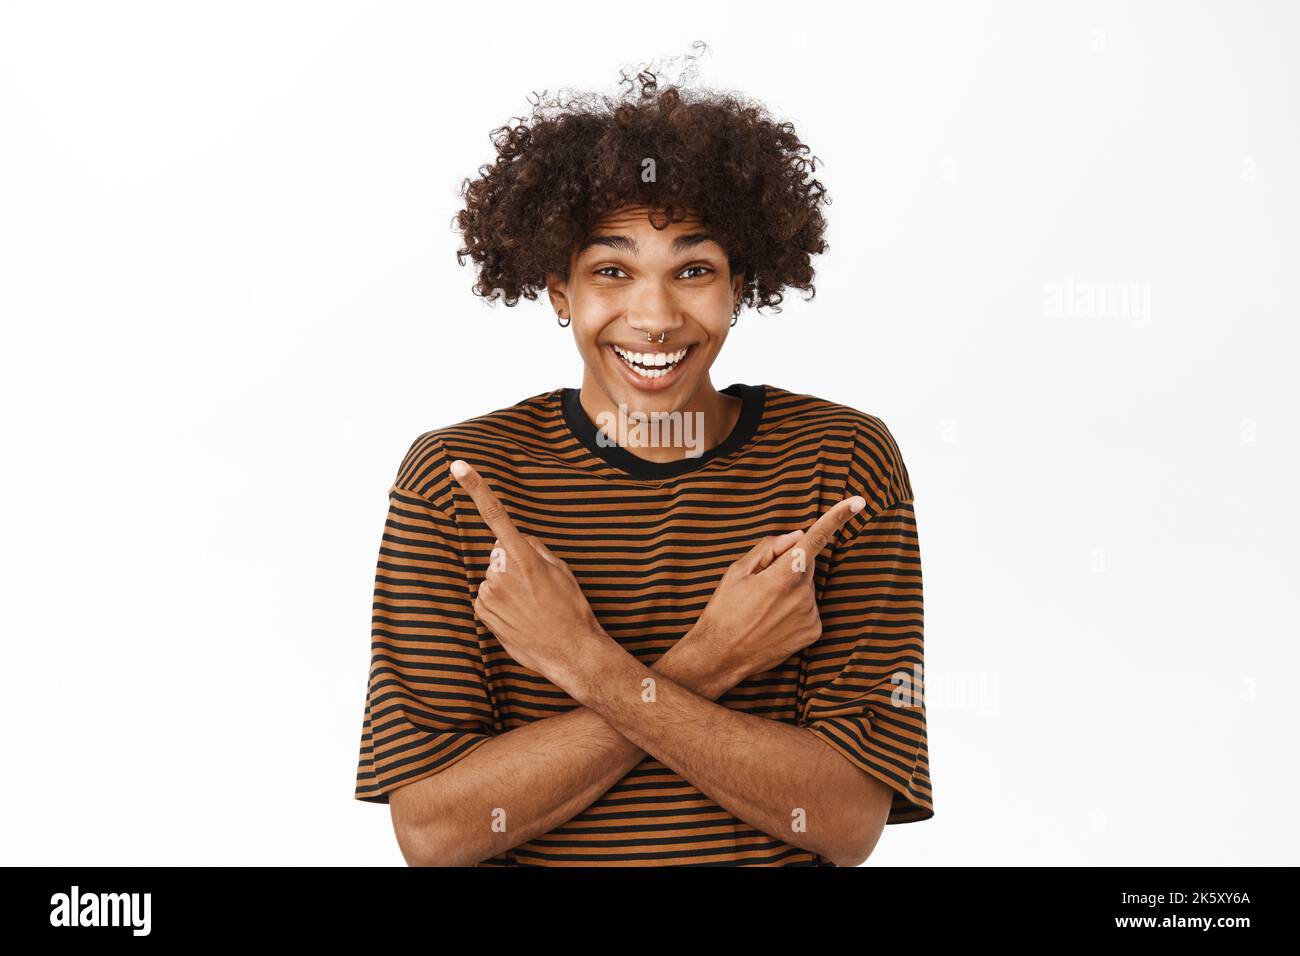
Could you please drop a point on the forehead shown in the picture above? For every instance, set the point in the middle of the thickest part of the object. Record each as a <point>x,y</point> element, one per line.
<point>630,216</point>
<point>633,224</point>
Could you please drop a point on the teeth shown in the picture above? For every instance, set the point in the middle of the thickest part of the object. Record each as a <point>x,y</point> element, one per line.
<point>651,364</point>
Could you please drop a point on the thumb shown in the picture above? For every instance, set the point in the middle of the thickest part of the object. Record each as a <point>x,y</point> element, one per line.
<point>540,547</point>
<point>766,551</point>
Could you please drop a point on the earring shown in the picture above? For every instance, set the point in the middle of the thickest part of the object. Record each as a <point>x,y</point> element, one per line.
<point>565,323</point>
<point>735,316</point>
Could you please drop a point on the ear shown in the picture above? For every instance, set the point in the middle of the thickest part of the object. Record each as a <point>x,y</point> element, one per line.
<point>737,286</point>
<point>557,289</point>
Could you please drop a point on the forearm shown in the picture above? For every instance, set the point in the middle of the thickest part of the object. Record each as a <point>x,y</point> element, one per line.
<point>530,780</point>
<point>777,777</point>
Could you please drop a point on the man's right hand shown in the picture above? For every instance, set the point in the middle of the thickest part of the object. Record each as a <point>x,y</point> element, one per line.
<point>765,608</point>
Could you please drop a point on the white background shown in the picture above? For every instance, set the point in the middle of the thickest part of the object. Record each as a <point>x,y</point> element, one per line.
<point>230,300</point>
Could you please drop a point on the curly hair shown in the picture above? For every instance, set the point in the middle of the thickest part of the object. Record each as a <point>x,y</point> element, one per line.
<point>575,160</point>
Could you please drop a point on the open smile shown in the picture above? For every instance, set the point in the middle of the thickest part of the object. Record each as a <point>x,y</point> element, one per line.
<point>651,370</point>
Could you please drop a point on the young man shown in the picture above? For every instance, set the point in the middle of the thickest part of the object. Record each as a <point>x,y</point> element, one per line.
<point>593,646</point>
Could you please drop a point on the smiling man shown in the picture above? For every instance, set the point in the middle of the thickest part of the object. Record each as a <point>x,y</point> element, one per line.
<point>673,285</point>
<point>591,649</point>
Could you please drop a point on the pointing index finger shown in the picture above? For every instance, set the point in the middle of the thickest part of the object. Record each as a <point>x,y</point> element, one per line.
<point>816,538</point>
<point>489,506</point>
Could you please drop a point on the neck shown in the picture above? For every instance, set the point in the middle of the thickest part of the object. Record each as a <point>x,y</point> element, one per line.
<point>715,413</point>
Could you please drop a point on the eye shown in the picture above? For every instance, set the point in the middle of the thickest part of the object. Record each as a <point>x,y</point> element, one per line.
<point>704,270</point>
<point>604,270</point>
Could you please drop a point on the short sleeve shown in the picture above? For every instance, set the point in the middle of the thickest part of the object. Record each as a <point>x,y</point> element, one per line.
<point>428,704</point>
<point>862,691</point>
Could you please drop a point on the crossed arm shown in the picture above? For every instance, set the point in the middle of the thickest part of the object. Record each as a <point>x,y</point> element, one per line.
<point>547,772</point>
<point>780,779</point>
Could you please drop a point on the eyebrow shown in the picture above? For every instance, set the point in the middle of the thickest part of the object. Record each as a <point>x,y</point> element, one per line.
<point>627,244</point>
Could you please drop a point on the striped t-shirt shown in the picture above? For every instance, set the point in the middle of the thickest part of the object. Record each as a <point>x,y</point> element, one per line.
<point>649,542</point>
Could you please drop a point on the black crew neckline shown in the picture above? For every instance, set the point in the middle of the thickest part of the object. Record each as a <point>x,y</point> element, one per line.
<point>753,398</point>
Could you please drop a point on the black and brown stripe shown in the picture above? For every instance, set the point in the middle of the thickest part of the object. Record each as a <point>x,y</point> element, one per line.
<point>649,542</point>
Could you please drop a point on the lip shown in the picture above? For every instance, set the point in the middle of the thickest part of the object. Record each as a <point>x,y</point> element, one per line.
<point>651,384</point>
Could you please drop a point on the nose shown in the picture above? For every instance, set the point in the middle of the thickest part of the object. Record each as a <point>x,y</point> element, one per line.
<point>655,311</point>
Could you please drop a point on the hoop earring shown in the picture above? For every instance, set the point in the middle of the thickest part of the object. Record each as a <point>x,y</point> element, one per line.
<point>735,316</point>
<point>565,323</point>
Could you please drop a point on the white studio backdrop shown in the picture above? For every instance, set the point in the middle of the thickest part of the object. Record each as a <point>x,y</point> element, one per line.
<point>1060,237</point>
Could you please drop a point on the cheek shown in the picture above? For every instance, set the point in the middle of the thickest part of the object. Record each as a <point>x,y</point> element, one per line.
<point>598,305</point>
<point>590,323</point>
